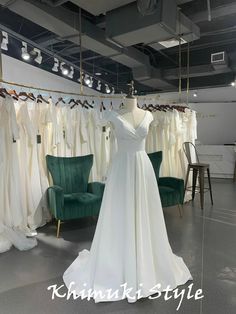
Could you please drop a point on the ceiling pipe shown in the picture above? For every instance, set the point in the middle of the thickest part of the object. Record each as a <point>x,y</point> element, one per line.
<point>209,10</point>
<point>54,3</point>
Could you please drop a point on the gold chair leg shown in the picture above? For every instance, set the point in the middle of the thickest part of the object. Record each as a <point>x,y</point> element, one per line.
<point>180,210</point>
<point>58,227</point>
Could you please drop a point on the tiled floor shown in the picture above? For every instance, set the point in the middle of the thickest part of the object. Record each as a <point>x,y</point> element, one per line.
<point>206,240</point>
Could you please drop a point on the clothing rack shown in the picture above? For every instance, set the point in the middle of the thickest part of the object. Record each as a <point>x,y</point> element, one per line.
<point>74,94</point>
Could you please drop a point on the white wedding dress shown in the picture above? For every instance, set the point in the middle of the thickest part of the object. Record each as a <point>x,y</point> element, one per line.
<point>130,246</point>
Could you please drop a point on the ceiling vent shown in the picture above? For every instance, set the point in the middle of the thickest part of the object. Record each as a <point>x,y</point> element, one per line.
<point>219,60</point>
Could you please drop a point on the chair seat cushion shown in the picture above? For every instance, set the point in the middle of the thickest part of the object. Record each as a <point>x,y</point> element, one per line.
<point>169,196</point>
<point>81,198</point>
<point>78,205</point>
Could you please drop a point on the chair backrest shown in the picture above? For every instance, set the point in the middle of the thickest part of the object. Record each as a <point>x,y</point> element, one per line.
<point>70,173</point>
<point>156,160</point>
<point>190,152</point>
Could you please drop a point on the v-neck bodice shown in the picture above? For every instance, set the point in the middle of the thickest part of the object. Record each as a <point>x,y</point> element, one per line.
<point>129,124</point>
<point>129,139</point>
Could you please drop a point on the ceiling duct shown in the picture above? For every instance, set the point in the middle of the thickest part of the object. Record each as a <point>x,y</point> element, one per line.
<point>128,26</point>
<point>188,32</point>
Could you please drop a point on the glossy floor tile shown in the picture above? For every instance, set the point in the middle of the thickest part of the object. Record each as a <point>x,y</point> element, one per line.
<point>205,239</point>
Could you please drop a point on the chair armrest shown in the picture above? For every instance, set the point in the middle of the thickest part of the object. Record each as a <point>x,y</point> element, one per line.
<point>174,183</point>
<point>56,200</point>
<point>96,188</point>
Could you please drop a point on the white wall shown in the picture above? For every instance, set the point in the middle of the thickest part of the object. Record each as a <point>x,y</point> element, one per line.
<point>23,73</point>
<point>216,113</point>
<point>216,122</point>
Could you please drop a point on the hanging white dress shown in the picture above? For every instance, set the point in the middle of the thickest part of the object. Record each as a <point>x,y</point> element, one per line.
<point>25,145</point>
<point>130,245</point>
<point>12,222</point>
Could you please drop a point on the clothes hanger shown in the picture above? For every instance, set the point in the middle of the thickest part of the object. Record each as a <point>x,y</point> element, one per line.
<point>4,91</point>
<point>2,94</point>
<point>60,99</point>
<point>150,107</point>
<point>74,103</point>
<point>121,105</point>
<point>13,93</point>
<point>71,100</point>
<point>79,102</point>
<point>86,104</point>
<point>102,107</point>
<point>23,94</point>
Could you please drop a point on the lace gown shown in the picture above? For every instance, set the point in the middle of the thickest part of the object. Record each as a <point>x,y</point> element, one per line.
<point>130,244</point>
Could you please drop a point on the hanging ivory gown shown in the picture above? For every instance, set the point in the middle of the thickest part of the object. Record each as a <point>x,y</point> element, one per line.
<point>13,217</point>
<point>130,244</point>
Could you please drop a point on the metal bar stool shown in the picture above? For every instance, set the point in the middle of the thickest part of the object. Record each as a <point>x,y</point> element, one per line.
<point>198,169</point>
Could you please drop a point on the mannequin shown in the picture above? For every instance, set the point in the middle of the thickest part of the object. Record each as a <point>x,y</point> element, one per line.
<point>131,113</point>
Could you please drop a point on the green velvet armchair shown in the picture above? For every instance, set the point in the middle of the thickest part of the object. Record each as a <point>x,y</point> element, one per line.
<point>71,196</point>
<point>171,189</point>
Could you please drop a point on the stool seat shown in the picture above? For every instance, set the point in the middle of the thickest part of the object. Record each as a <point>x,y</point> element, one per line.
<point>197,164</point>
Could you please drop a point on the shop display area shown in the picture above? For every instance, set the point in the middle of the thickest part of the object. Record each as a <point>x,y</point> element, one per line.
<point>206,240</point>
<point>117,156</point>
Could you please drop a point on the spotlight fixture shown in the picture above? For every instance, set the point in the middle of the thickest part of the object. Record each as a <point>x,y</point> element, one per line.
<point>64,69</point>
<point>24,52</point>
<point>56,65</point>
<point>194,94</point>
<point>71,73</point>
<point>39,57</point>
<point>108,90</point>
<point>87,79</point>
<point>25,55</point>
<point>91,83</point>
<point>233,83</point>
<point>98,73</point>
<point>5,41</point>
<point>99,87</point>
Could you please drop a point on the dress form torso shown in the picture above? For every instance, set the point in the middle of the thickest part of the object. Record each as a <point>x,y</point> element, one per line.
<point>131,113</point>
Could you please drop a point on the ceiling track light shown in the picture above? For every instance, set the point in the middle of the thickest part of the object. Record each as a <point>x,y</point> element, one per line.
<point>195,94</point>
<point>24,52</point>
<point>108,90</point>
<point>64,69</point>
<point>99,86</point>
<point>91,83</point>
<point>56,65</point>
<point>39,57</point>
<point>87,79</point>
<point>5,41</point>
<point>71,73</point>
<point>233,83</point>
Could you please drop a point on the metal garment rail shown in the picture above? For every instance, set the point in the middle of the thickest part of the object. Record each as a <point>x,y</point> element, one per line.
<point>121,96</point>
